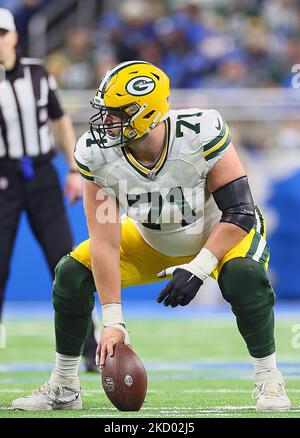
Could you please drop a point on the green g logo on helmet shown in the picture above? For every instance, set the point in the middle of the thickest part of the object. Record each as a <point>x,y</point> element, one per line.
<point>140,86</point>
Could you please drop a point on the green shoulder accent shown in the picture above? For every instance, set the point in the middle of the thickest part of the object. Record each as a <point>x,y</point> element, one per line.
<point>81,166</point>
<point>216,140</point>
<point>220,149</point>
<point>90,178</point>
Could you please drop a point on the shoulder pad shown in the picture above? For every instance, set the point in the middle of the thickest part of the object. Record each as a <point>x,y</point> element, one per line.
<point>215,134</point>
<point>83,156</point>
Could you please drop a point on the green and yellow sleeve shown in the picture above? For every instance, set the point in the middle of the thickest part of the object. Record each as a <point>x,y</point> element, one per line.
<point>218,144</point>
<point>84,171</point>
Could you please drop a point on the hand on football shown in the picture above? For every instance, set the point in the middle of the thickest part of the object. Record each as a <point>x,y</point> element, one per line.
<point>181,289</point>
<point>110,336</point>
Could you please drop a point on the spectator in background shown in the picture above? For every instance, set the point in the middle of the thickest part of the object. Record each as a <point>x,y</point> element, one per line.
<point>151,51</point>
<point>291,57</point>
<point>12,5</point>
<point>74,66</point>
<point>28,181</point>
<point>23,13</point>
<point>197,45</point>
<point>232,72</point>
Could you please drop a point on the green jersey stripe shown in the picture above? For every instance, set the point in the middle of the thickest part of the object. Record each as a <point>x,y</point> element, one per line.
<point>82,166</point>
<point>220,149</point>
<point>265,255</point>
<point>216,139</point>
<point>254,245</point>
<point>132,165</point>
<point>90,178</point>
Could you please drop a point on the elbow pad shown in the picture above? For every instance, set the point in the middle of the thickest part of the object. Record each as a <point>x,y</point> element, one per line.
<point>236,203</point>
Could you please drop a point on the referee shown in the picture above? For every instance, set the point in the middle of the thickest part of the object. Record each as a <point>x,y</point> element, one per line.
<point>28,181</point>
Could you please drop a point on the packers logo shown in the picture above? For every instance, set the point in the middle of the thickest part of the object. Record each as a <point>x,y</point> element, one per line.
<point>140,86</point>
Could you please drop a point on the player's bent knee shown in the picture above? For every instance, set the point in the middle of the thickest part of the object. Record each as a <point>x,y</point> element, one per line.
<point>244,282</point>
<point>73,288</point>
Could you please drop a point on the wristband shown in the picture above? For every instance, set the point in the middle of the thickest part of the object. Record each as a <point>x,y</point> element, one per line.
<point>203,264</point>
<point>112,317</point>
<point>112,314</point>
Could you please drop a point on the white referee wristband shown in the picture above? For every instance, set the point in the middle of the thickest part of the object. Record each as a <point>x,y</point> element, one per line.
<point>112,314</point>
<point>203,264</point>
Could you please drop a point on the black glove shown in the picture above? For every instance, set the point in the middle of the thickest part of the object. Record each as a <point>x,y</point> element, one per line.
<point>181,289</point>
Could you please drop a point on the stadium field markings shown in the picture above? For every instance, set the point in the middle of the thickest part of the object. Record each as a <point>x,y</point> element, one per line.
<point>200,375</point>
<point>92,392</point>
<point>157,378</point>
<point>153,366</point>
<point>176,410</point>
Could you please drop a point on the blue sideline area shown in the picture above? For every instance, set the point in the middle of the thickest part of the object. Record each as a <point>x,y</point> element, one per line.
<point>143,310</point>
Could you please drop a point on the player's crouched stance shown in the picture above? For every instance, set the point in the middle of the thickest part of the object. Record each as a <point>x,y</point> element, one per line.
<point>159,163</point>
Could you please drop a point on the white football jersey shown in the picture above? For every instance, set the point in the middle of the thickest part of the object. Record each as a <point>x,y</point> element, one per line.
<point>168,201</point>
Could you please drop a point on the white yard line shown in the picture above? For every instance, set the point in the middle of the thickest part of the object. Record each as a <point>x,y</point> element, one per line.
<point>177,410</point>
<point>91,392</point>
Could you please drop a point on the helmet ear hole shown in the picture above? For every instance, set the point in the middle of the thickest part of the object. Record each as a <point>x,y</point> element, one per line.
<point>148,115</point>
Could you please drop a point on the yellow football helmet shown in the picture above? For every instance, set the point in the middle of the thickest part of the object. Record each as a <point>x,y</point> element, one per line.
<point>138,94</point>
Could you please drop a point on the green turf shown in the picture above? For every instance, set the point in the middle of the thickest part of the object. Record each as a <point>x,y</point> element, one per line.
<point>177,355</point>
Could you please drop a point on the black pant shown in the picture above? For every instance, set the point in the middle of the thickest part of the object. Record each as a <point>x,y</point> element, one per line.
<point>42,200</point>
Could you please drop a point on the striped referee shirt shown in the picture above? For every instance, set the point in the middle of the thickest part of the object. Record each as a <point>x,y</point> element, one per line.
<point>27,100</point>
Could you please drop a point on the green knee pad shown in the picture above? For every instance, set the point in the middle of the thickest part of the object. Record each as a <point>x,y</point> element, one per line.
<point>244,283</point>
<point>73,302</point>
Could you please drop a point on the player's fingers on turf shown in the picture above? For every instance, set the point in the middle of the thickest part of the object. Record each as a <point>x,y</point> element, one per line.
<point>165,292</point>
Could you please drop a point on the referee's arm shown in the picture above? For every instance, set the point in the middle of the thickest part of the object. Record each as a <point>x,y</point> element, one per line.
<point>65,136</point>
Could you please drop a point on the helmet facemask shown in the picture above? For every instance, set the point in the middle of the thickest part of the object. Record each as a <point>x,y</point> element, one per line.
<point>111,127</point>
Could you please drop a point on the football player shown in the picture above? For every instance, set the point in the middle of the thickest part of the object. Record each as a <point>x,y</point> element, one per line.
<point>189,214</point>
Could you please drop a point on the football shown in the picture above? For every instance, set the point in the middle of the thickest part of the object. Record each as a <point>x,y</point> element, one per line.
<point>124,379</point>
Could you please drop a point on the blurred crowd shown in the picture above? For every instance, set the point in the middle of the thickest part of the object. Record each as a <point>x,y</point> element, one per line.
<point>215,44</point>
<point>199,43</point>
